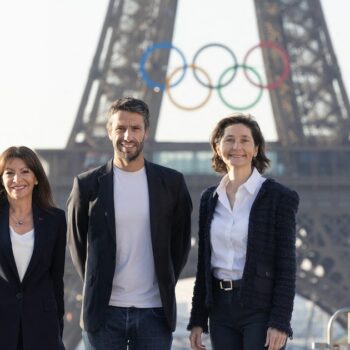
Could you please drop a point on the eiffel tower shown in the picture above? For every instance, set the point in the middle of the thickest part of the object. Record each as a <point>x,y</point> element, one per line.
<point>312,114</point>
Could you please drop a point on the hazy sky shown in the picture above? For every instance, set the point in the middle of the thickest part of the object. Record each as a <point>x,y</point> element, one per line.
<point>47,48</point>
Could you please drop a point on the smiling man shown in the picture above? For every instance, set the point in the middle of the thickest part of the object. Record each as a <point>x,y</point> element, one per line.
<point>129,237</point>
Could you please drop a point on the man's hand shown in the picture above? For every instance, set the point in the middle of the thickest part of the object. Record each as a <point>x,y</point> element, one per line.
<point>196,338</point>
<point>275,339</point>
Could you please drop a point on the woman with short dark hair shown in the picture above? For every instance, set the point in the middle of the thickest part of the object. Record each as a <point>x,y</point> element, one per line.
<point>245,282</point>
<point>32,255</point>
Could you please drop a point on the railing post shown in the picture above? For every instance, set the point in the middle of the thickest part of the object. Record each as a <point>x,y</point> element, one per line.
<point>330,339</point>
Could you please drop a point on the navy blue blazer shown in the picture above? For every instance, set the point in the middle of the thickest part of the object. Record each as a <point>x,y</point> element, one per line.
<point>92,236</point>
<point>36,303</point>
<point>269,273</point>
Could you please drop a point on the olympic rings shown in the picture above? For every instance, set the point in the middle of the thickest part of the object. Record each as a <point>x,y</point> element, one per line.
<point>249,105</point>
<point>284,57</point>
<point>234,64</point>
<point>186,108</point>
<point>144,58</point>
<point>221,82</point>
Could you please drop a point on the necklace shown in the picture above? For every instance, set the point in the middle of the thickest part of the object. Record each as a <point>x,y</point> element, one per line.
<point>19,221</point>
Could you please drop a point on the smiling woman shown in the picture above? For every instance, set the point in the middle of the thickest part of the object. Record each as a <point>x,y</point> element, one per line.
<point>32,255</point>
<point>245,281</point>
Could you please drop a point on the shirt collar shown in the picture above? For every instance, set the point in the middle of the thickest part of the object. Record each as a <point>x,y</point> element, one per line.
<point>254,180</point>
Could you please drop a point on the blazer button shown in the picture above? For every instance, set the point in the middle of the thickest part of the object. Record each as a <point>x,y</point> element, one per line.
<point>268,274</point>
<point>19,296</point>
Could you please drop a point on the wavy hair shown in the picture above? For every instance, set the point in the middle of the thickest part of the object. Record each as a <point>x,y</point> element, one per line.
<point>42,193</point>
<point>261,162</point>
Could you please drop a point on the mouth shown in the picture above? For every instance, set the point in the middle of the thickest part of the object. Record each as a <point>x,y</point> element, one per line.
<point>18,188</point>
<point>237,156</point>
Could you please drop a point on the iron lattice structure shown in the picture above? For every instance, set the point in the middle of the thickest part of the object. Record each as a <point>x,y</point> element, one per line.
<point>312,114</point>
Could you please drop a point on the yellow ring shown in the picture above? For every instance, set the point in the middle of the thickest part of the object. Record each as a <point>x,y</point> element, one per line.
<point>168,86</point>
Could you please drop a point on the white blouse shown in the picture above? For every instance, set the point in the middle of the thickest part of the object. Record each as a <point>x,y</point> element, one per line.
<point>229,228</point>
<point>22,247</point>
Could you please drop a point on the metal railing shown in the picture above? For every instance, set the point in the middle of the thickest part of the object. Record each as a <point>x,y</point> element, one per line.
<point>331,344</point>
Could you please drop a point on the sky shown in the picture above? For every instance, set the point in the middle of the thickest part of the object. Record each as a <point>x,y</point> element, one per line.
<point>47,48</point>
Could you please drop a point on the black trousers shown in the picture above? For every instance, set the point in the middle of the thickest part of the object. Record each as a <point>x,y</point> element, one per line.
<point>233,327</point>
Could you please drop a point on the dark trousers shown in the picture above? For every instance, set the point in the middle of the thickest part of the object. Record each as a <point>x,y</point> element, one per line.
<point>131,328</point>
<point>233,327</point>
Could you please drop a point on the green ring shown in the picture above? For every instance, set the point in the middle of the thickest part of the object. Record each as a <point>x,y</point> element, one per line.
<point>247,106</point>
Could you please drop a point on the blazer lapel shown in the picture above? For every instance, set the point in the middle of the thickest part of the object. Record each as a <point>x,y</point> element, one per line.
<point>153,187</point>
<point>106,195</point>
<point>5,243</point>
<point>40,234</point>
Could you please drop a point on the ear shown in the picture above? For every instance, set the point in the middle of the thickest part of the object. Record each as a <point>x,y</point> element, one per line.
<point>146,133</point>
<point>256,151</point>
<point>217,149</point>
<point>109,131</point>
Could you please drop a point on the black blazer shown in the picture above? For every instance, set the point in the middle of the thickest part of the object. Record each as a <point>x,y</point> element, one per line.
<point>269,273</point>
<point>92,240</point>
<point>37,302</point>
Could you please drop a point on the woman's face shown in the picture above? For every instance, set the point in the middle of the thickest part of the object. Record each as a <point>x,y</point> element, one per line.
<point>236,147</point>
<point>18,179</point>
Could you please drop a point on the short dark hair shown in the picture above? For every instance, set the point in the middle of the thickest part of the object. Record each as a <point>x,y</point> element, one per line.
<point>261,162</point>
<point>130,104</point>
<point>42,193</point>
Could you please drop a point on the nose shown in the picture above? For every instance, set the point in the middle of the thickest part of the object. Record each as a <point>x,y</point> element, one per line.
<point>127,134</point>
<point>236,145</point>
<point>16,177</point>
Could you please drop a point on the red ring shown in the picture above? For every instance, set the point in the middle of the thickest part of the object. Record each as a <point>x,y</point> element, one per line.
<point>284,56</point>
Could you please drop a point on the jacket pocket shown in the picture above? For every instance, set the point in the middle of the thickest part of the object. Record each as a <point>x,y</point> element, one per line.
<point>264,279</point>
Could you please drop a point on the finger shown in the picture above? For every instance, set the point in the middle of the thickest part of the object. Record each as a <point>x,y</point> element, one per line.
<point>267,338</point>
<point>282,342</point>
<point>273,343</point>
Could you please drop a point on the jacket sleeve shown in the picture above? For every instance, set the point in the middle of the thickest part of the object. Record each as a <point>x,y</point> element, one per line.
<point>199,312</point>
<point>78,219</point>
<point>57,266</point>
<point>181,228</point>
<point>285,263</point>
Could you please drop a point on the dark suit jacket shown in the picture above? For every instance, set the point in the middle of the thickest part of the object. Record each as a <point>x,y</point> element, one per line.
<point>92,236</point>
<point>269,273</point>
<point>36,302</point>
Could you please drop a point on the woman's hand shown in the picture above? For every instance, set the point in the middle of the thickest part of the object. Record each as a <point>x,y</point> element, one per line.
<point>196,338</point>
<point>275,339</point>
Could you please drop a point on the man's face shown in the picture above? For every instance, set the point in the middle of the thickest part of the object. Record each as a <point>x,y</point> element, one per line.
<point>127,132</point>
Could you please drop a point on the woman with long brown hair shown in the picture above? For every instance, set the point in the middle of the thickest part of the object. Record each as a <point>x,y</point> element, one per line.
<point>32,255</point>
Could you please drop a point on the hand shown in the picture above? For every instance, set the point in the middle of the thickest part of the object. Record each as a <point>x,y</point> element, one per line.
<point>275,339</point>
<point>196,338</point>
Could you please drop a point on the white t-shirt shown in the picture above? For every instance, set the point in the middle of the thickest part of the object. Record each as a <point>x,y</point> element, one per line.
<point>22,247</point>
<point>135,282</point>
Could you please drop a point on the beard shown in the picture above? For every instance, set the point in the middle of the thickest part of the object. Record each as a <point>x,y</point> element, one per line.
<point>129,157</point>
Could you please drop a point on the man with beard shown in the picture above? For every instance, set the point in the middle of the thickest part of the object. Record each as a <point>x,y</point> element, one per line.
<point>129,237</point>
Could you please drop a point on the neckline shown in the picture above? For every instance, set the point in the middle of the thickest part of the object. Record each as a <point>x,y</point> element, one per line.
<point>25,234</point>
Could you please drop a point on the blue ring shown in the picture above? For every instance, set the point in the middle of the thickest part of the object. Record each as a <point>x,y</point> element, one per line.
<point>144,58</point>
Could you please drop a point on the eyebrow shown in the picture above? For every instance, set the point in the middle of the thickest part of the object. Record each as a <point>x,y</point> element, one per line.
<point>230,135</point>
<point>26,167</point>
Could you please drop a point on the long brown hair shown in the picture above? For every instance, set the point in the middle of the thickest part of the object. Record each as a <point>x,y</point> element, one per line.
<point>42,193</point>
<point>261,162</point>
